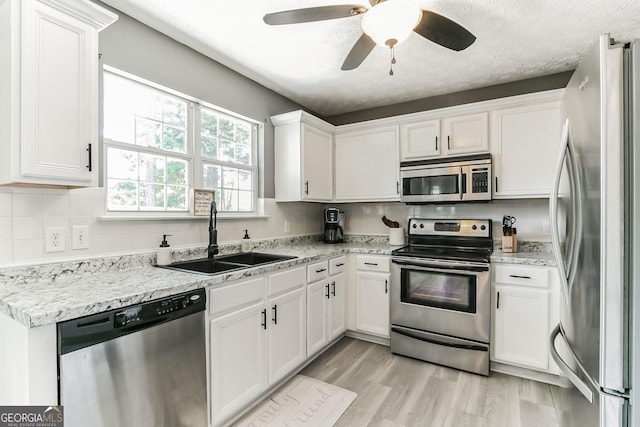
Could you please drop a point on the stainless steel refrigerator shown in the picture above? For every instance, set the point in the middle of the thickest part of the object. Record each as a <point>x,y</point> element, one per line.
<point>595,235</point>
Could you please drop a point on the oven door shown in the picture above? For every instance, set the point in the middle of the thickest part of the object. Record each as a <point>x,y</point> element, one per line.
<point>445,297</point>
<point>441,184</point>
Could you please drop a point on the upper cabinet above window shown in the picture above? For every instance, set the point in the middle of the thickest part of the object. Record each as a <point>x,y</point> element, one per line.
<point>49,120</point>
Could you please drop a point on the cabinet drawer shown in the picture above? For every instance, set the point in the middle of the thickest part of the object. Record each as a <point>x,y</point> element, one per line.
<point>317,271</point>
<point>236,295</point>
<point>522,275</point>
<point>286,280</point>
<point>372,263</point>
<point>337,265</point>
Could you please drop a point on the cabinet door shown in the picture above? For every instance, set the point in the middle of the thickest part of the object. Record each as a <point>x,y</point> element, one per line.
<point>521,328</point>
<point>238,360</point>
<point>59,97</point>
<point>317,164</point>
<point>317,315</point>
<point>420,140</point>
<point>525,144</point>
<point>287,333</point>
<point>372,303</point>
<point>466,134</point>
<point>367,165</point>
<point>337,305</point>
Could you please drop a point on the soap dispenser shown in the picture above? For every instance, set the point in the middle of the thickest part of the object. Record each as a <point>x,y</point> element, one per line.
<point>164,252</point>
<point>245,245</point>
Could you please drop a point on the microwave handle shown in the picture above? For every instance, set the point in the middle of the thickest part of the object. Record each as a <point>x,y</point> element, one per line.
<point>460,182</point>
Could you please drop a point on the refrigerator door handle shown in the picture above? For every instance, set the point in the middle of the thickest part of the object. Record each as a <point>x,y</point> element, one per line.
<point>553,211</point>
<point>571,375</point>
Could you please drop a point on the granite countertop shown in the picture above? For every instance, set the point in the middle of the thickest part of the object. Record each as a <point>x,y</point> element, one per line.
<point>45,294</point>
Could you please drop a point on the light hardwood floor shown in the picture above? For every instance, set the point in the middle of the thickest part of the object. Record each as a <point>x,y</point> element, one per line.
<point>400,391</point>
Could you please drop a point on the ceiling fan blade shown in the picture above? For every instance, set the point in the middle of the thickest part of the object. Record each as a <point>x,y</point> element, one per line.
<point>444,31</point>
<point>312,14</point>
<point>358,52</point>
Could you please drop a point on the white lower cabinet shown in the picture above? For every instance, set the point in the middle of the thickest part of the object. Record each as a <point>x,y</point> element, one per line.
<point>525,310</point>
<point>257,336</point>
<point>317,315</point>
<point>372,294</point>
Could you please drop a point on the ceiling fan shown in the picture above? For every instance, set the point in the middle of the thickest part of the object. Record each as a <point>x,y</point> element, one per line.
<point>386,23</point>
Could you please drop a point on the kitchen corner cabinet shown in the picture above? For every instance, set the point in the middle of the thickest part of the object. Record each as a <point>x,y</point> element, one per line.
<point>367,165</point>
<point>524,143</point>
<point>303,158</point>
<point>525,310</point>
<point>372,294</point>
<point>257,336</point>
<point>465,134</point>
<point>49,81</point>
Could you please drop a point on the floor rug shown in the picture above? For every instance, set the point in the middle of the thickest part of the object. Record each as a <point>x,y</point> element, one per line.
<point>303,401</point>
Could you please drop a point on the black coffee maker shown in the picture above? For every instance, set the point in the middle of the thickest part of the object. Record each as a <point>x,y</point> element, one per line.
<point>333,225</point>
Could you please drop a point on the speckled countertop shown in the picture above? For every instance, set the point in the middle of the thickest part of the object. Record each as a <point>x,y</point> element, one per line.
<point>49,293</point>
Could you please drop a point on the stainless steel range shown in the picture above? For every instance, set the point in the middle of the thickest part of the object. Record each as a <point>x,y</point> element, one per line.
<point>440,293</point>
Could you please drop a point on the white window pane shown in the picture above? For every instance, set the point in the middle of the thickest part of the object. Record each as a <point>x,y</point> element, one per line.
<point>226,150</point>
<point>226,128</point>
<point>119,113</point>
<point>176,197</point>
<point>244,180</point>
<point>209,123</point>
<point>148,133</point>
<point>243,154</point>
<point>123,195</point>
<point>148,102</point>
<point>152,168</point>
<point>229,200</point>
<point>243,133</point>
<point>174,139</point>
<point>174,112</point>
<point>245,201</point>
<point>151,196</point>
<point>177,171</point>
<point>212,176</point>
<point>122,164</point>
<point>229,178</point>
<point>209,147</point>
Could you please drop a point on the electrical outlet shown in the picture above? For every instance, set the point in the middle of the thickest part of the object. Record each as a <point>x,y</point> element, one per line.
<point>54,239</point>
<point>80,237</point>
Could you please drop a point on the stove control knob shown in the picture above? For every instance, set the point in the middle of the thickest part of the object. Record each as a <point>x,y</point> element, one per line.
<point>414,226</point>
<point>421,225</point>
<point>474,227</point>
<point>482,227</point>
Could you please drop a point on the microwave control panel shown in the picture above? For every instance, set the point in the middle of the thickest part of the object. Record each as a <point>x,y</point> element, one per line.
<point>480,180</point>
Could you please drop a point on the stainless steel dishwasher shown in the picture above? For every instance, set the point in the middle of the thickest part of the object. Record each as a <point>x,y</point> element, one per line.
<point>142,365</point>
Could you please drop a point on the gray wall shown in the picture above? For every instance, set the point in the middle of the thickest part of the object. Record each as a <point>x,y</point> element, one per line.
<point>553,81</point>
<point>138,49</point>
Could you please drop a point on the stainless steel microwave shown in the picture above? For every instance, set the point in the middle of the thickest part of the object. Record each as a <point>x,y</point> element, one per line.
<point>454,179</point>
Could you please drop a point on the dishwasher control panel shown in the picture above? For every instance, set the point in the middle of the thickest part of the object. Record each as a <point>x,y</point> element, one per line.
<point>140,314</point>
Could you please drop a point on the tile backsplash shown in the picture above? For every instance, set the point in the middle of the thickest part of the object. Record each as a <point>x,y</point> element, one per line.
<point>25,214</point>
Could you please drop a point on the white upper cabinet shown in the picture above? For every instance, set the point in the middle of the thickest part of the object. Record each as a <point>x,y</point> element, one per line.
<point>466,134</point>
<point>367,164</point>
<point>524,142</point>
<point>303,158</point>
<point>420,140</point>
<point>49,119</point>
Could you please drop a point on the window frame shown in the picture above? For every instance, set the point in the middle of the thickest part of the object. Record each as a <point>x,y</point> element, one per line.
<point>193,155</point>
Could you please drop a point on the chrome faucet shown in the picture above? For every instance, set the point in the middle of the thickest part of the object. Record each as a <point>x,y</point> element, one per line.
<point>212,249</point>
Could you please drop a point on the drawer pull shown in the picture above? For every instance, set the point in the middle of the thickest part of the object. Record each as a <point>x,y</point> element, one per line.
<point>340,264</point>
<point>517,276</point>
<point>321,270</point>
<point>371,263</point>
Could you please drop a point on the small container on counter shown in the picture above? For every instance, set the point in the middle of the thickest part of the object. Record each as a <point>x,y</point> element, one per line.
<point>245,243</point>
<point>164,252</point>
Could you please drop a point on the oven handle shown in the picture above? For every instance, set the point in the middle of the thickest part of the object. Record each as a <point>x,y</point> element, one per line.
<point>432,341</point>
<point>425,266</point>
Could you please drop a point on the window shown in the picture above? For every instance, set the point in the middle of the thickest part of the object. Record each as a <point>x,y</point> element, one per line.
<point>159,144</point>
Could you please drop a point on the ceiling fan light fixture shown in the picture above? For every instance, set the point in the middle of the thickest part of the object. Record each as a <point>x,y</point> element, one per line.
<point>391,20</point>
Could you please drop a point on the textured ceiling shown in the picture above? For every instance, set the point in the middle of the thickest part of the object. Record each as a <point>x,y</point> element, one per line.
<point>516,39</point>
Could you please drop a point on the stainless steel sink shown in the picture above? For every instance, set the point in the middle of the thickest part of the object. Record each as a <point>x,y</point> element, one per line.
<point>226,263</point>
